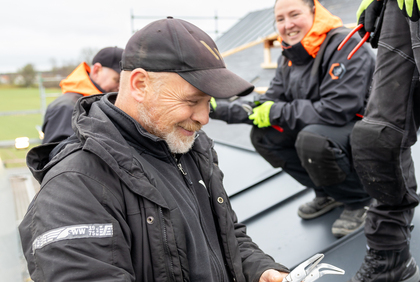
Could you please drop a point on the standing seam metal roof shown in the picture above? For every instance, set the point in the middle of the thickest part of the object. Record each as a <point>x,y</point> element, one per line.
<point>253,26</point>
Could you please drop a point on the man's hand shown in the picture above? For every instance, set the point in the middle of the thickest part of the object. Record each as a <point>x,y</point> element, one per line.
<point>272,275</point>
<point>261,115</point>
<point>368,12</point>
<point>410,9</point>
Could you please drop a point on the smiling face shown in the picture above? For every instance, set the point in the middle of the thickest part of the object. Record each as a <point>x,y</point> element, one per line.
<point>294,18</point>
<point>174,110</point>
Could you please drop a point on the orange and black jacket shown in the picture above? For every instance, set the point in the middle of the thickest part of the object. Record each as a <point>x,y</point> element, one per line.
<point>339,90</point>
<point>57,119</point>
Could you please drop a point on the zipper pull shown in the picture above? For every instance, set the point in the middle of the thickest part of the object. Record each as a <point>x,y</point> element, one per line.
<point>181,169</point>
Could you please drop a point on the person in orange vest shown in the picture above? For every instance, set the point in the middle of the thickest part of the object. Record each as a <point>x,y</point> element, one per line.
<point>102,77</point>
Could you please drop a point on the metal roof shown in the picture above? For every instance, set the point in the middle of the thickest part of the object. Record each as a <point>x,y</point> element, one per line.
<point>252,27</point>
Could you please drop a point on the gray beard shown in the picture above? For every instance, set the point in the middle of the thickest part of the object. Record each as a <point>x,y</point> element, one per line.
<point>177,144</point>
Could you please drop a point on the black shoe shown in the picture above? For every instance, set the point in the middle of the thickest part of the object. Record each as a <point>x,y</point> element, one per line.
<point>349,221</point>
<point>317,207</point>
<point>385,266</point>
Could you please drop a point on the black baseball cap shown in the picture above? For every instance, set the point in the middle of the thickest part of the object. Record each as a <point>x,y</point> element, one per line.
<point>109,57</point>
<point>174,45</point>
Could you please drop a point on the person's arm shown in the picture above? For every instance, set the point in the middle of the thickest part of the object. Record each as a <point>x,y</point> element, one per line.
<point>72,232</point>
<point>230,112</point>
<point>342,90</point>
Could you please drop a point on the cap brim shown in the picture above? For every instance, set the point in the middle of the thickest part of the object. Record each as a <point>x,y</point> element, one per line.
<point>118,70</point>
<point>218,83</point>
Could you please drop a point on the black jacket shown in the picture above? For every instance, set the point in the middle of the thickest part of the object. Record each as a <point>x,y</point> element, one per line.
<point>57,119</point>
<point>102,185</point>
<point>333,97</point>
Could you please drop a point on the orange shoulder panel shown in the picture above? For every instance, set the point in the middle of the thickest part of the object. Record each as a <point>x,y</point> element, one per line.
<point>79,82</point>
<point>324,21</point>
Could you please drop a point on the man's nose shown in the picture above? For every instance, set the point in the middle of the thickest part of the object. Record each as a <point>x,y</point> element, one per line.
<point>201,113</point>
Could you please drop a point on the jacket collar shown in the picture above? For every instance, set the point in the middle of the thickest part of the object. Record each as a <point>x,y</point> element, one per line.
<point>79,82</point>
<point>132,131</point>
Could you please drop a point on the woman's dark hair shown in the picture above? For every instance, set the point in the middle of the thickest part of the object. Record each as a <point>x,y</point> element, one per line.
<point>310,3</point>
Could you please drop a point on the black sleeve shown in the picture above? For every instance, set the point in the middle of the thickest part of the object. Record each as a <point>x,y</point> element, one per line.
<point>231,112</point>
<point>65,238</point>
<point>57,119</point>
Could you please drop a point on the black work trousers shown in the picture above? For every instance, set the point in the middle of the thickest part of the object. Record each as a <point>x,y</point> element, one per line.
<point>381,141</point>
<point>318,156</point>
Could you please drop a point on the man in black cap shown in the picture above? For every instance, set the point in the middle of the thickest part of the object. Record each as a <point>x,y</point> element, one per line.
<point>102,77</point>
<point>136,194</point>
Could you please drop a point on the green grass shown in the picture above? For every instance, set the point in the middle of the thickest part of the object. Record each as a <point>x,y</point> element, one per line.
<point>19,126</point>
<point>12,157</point>
<point>11,127</point>
<point>17,99</point>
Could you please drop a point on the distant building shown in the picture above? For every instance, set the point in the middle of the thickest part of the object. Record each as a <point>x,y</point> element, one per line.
<point>4,79</point>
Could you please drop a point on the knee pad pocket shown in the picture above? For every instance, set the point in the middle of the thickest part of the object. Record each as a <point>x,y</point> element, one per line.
<point>325,164</point>
<point>376,152</point>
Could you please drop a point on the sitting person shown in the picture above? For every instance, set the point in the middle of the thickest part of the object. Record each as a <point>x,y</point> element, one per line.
<point>315,113</point>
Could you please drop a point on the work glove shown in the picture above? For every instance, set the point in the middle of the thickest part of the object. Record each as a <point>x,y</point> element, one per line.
<point>410,9</point>
<point>261,114</point>
<point>368,12</point>
<point>213,104</point>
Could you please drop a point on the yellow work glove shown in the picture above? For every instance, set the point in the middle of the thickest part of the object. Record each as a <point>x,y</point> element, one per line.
<point>410,9</point>
<point>213,104</point>
<point>261,114</point>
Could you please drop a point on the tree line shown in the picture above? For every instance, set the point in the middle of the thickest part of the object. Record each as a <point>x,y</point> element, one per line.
<point>27,75</point>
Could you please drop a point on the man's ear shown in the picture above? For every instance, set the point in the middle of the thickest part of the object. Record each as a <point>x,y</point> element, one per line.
<point>139,79</point>
<point>94,70</point>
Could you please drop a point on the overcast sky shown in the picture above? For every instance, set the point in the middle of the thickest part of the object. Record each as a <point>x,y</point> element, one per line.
<point>42,31</point>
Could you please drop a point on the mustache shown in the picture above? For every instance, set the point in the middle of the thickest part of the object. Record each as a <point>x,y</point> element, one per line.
<point>191,126</point>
